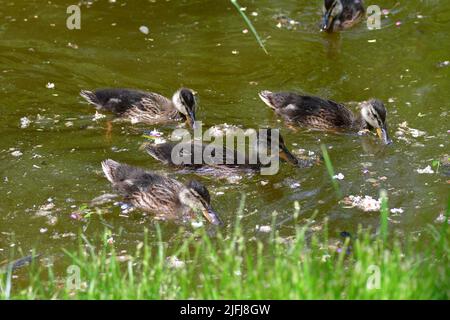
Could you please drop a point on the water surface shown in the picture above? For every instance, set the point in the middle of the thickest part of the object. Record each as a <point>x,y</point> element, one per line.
<point>201,44</point>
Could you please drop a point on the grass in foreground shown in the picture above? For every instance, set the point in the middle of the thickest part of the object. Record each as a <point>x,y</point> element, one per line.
<point>302,267</point>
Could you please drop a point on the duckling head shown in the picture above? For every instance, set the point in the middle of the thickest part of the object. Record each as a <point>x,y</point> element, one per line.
<point>332,10</point>
<point>197,197</point>
<point>185,102</point>
<point>373,113</point>
<point>270,136</point>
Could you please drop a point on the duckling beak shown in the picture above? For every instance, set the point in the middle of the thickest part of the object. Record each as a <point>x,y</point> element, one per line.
<point>287,156</point>
<point>383,135</point>
<point>190,119</point>
<point>326,22</point>
<point>212,216</point>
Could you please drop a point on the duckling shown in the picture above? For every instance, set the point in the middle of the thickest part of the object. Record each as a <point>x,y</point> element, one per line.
<point>341,14</point>
<point>161,195</point>
<point>317,113</point>
<point>213,157</point>
<point>145,107</point>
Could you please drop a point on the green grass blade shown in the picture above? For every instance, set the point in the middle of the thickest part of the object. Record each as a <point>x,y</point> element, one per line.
<point>384,215</point>
<point>330,170</point>
<point>250,25</point>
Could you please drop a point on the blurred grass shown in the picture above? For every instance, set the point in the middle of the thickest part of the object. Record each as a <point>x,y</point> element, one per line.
<point>203,267</point>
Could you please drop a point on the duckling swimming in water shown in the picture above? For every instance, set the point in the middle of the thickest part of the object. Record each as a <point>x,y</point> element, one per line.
<point>161,195</point>
<point>341,14</point>
<point>317,113</point>
<point>146,107</point>
<point>212,157</point>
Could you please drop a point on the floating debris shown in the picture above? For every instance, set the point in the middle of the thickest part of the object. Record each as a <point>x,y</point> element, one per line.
<point>442,218</point>
<point>144,29</point>
<point>125,207</point>
<point>443,64</point>
<point>339,176</point>
<point>426,170</point>
<point>397,210</point>
<point>291,183</point>
<point>76,216</point>
<point>196,224</point>
<point>50,85</point>
<point>234,179</point>
<point>174,262</point>
<point>404,130</point>
<point>97,116</point>
<point>263,229</point>
<point>16,153</point>
<point>225,129</point>
<point>24,122</point>
<point>286,22</point>
<point>72,45</point>
<point>45,210</point>
<point>365,203</point>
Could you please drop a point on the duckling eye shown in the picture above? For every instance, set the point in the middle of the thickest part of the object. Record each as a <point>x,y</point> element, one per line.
<point>374,116</point>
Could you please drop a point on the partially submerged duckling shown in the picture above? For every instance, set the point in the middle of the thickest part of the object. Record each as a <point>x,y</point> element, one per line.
<point>317,113</point>
<point>221,157</point>
<point>147,107</point>
<point>161,195</point>
<point>341,14</point>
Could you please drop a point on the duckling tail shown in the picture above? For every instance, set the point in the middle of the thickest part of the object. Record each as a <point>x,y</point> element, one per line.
<point>110,168</point>
<point>90,97</point>
<point>266,97</point>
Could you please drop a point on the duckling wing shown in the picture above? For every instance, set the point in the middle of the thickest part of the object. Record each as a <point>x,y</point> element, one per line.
<point>315,112</point>
<point>120,101</point>
<point>160,197</point>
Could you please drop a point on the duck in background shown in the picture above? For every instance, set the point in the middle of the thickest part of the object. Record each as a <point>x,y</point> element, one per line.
<point>317,113</point>
<point>341,14</point>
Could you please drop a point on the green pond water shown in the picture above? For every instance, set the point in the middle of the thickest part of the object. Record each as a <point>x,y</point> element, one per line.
<point>201,44</point>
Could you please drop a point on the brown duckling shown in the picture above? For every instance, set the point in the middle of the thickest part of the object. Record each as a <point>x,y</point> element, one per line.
<point>317,113</point>
<point>161,195</point>
<point>146,107</point>
<point>341,14</point>
<point>215,157</point>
